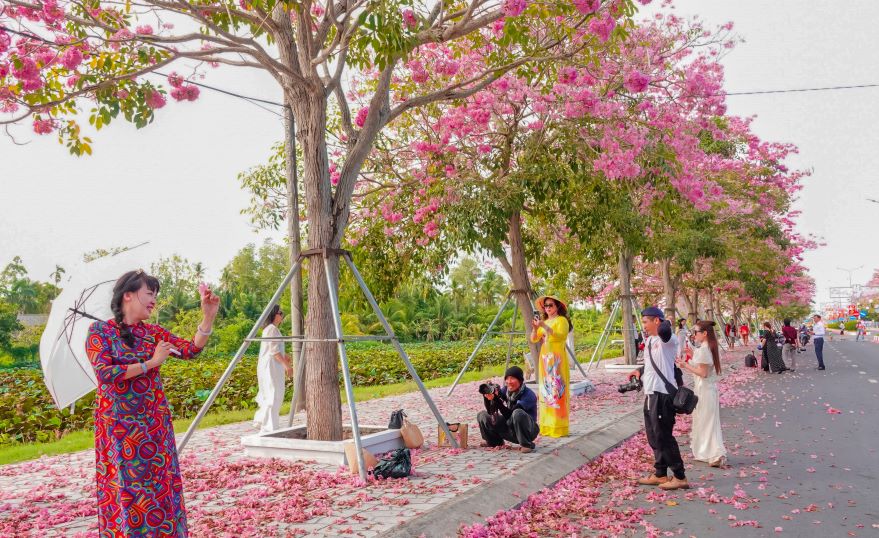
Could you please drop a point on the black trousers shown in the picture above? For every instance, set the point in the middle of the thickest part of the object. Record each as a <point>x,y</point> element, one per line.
<point>659,421</point>
<point>520,428</point>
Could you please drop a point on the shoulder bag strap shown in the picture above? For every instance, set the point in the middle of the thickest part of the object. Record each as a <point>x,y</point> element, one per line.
<point>668,386</point>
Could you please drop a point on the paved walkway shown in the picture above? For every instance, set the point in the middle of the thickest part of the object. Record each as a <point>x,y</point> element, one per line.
<point>802,462</point>
<point>228,494</point>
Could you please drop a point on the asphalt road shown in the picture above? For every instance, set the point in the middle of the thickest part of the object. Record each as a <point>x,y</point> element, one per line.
<point>803,467</point>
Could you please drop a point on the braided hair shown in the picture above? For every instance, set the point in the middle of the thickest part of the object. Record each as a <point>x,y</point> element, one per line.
<point>131,281</point>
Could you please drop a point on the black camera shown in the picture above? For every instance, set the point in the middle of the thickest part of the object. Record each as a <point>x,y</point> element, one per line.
<point>489,388</point>
<point>633,384</point>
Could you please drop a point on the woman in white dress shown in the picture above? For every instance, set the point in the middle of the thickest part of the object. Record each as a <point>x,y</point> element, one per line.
<point>706,437</point>
<point>683,338</point>
<point>271,371</point>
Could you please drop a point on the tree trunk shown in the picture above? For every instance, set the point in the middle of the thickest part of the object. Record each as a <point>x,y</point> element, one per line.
<point>626,260</point>
<point>294,239</point>
<point>710,312</point>
<point>668,289</point>
<point>691,310</point>
<point>322,400</point>
<point>517,269</point>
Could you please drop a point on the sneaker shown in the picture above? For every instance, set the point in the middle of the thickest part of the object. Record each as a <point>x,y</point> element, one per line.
<point>526,449</point>
<point>675,483</point>
<point>820,368</point>
<point>652,480</point>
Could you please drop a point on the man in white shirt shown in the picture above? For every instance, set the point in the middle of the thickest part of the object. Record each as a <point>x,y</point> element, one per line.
<point>818,331</point>
<point>659,413</point>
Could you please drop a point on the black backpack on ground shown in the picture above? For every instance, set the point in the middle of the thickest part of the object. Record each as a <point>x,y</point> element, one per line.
<point>750,361</point>
<point>397,464</point>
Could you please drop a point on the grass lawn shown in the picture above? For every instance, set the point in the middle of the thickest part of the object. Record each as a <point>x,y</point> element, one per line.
<point>85,439</point>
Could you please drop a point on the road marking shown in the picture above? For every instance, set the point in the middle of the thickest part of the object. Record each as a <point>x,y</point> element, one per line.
<point>872,380</point>
<point>863,373</point>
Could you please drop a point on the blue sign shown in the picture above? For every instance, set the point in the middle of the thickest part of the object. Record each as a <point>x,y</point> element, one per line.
<point>852,318</point>
<point>864,313</point>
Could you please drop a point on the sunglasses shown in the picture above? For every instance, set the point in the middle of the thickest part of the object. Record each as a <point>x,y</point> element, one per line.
<point>547,305</point>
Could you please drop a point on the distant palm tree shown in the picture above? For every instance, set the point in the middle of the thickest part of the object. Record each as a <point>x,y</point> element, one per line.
<point>56,274</point>
<point>23,295</point>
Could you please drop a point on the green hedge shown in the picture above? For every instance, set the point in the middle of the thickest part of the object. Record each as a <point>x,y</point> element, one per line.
<point>849,325</point>
<point>27,413</point>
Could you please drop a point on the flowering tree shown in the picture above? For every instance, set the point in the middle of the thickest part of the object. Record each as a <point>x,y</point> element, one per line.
<point>495,172</point>
<point>57,55</point>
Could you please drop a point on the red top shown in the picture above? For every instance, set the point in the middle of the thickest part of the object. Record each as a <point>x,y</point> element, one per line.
<point>744,330</point>
<point>790,335</point>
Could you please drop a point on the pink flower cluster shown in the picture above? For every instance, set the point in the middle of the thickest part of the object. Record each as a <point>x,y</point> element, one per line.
<point>180,91</point>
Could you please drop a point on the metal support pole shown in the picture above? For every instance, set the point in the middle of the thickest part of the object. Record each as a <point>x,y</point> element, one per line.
<point>346,374</point>
<point>605,334</point>
<point>574,358</point>
<point>299,366</point>
<point>238,356</point>
<point>637,309</point>
<point>512,332</point>
<point>390,331</point>
<point>479,345</point>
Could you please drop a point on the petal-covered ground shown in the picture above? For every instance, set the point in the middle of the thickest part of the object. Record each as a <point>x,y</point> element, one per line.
<point>229,495</point>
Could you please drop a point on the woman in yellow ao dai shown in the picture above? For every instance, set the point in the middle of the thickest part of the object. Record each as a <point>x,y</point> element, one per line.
<point>554,388</point>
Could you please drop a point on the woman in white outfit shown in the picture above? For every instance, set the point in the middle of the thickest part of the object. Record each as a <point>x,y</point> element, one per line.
<point>271,371</point>
<point>706,437</point>
<point>683,335</point>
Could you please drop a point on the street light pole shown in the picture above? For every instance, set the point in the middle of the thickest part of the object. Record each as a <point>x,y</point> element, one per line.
<point>850,271</point>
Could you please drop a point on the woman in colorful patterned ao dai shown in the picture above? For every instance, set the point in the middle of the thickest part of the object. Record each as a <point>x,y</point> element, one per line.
<point>554,388</point>
<point>140,492</point>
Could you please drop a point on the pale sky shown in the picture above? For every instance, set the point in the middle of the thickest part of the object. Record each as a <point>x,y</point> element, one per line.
<point>174,182</point>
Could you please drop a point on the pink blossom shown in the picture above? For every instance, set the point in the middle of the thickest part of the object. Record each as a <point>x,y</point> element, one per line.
<point>5,41</point>
<point>567,75</point>
<point>71,58</point>
<point>44,126</point>
<point>602,27</point>
<point>154,99</point>
<point>360,120</point>
<point>175,80</point>
<point>636,81</point>
<point>420,76</point>
<point>185,93</point>
<point>587,6</point>
<point>145,29</point>
<point>514,8</point>
<point>409,19</point>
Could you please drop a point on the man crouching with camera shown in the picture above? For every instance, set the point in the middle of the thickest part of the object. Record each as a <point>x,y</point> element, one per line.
<point>510,412</point>
<point>660,350</point>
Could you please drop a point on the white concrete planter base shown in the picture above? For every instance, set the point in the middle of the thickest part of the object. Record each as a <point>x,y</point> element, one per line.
<point>291,444</point>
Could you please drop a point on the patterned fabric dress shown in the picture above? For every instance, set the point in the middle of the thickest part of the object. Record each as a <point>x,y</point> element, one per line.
<point>555,388</point>
<point>140,492</point>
